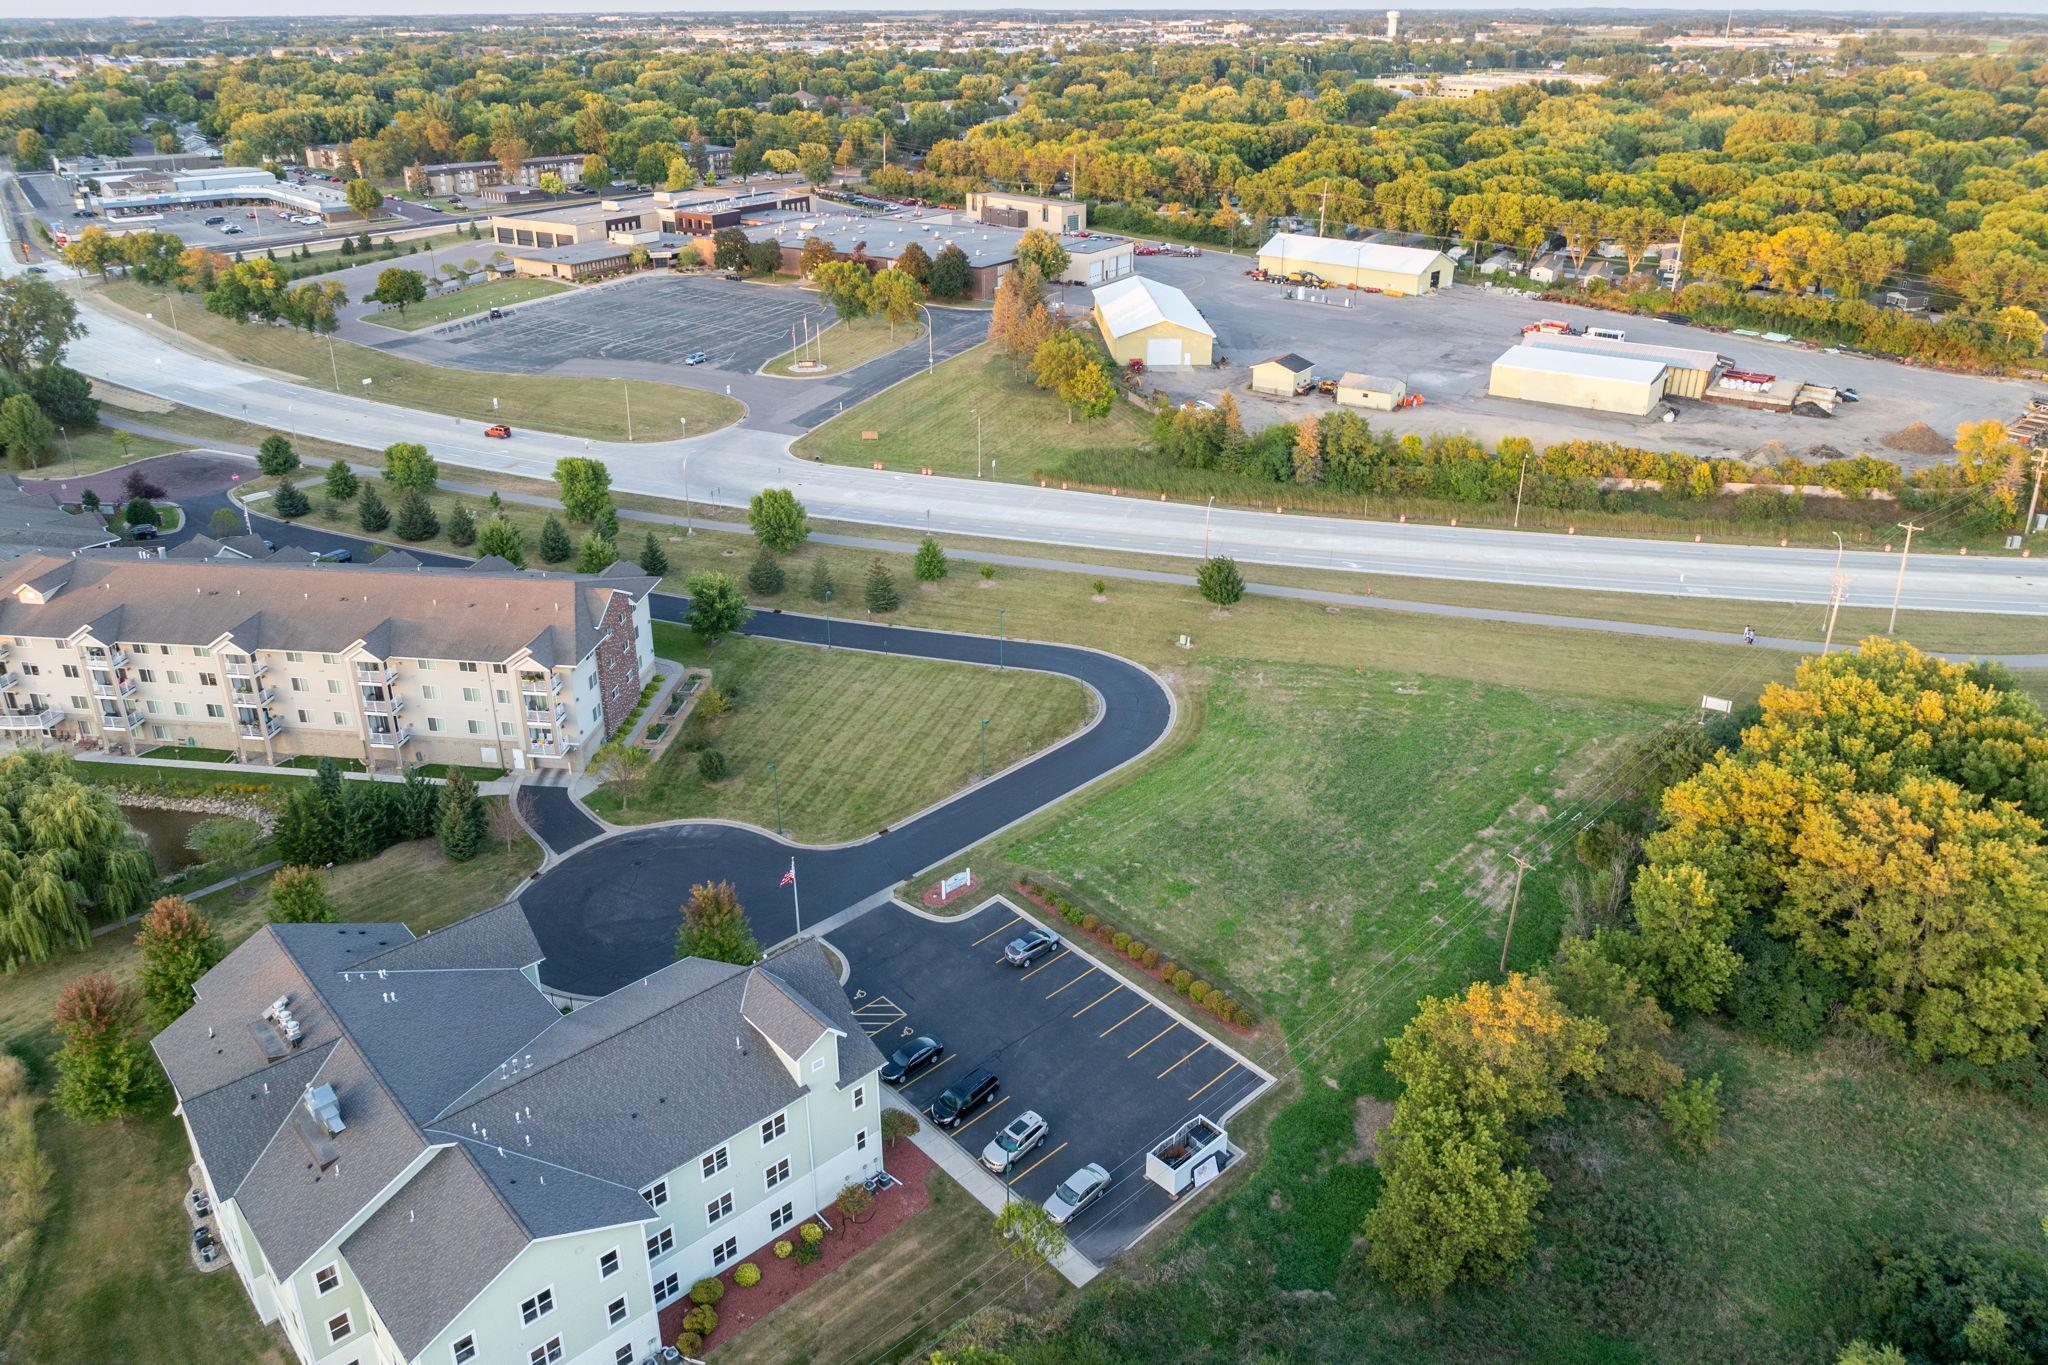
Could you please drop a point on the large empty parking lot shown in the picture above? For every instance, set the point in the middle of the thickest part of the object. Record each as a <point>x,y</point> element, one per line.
<point>1111,1069</point>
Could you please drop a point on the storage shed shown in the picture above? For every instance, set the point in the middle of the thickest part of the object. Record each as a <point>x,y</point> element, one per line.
<point>1281,374</point>
<point>1370,391</point>
<point>1365,265</point>
<point>1142,319</point>
<point>1687,372</point>
<point>1578,379</point>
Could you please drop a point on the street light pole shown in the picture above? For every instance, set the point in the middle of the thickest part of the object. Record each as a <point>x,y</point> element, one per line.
<point>1835,596</point>
<point>1210,512</point>
<point>828,620</point>
<point>1520,480</point>
<point>1899,584</point>
<point>627,390</point>
<point>335,364</point>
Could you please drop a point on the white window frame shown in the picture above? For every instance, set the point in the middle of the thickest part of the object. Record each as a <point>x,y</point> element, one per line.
<point>332,1269</point>
<point>605,1272</point>
<point>546,1353</point>
<point>616,1311</point>
<point>860,1096</point>
<point>667,1287</point>
<point>778,1219</point>
<point>713,1162</point>
<point>728,1250</point>
<point>780,1126</point>
<point>778,1173</point>
<point>656,1194</point>
<point>457,1348</point>
<point>624,1355</point>
<point>541,1304</point>
<point>718,1210</point>
<point>661,1243</point>
<point>348,1328</point>
<point>860,1139</point>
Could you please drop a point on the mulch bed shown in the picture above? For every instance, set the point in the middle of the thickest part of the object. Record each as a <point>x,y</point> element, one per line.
<point>782,1281</point>
<point>179,475</point>
<point>933,900</point>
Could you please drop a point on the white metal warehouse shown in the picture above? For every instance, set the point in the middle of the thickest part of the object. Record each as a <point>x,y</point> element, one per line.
<point>1579,379</point>
<point>1143,319</point>
<point>1366,265</point>
<point>1687,371</point>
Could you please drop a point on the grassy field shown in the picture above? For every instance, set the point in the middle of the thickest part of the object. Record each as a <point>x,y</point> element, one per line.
<point>569,406</point>
<point>930,421</point>
<point>461,303</point>
<point>90,451</point>
<point>845,345</point>
<point>860,740</point>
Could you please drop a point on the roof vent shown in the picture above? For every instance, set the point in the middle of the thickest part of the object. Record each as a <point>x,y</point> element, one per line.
<point>323,1106</point>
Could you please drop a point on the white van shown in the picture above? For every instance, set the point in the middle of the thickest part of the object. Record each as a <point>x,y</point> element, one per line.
<point>1607,333</point>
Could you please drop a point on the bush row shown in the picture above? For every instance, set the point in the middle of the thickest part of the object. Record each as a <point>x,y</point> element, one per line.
<point>1142,954</point>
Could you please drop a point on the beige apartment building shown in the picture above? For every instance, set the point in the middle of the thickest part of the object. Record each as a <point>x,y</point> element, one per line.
<point>484,665</point>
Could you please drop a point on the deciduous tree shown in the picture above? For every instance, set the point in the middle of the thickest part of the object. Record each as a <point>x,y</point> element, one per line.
<point>715,927</point>
<point>717,606</point>
<point>178,946</point>
<point>103,1070</point>
<point>778,519</point>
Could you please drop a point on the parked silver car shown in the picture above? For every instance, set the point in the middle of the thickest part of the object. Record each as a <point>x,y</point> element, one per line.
<point>1008,1147</point>
<point>1076,1193</point>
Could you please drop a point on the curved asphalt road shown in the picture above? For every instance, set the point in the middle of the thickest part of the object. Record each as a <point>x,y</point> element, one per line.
<point>608,913</point>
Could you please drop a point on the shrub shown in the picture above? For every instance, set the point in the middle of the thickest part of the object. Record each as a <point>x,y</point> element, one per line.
<point>1100,588</point>
<point>1181,980</point>
<point>807,1252</point>
<point>747,1276</point>
<point>1694,1112</point>
<point>1219,581</point>
<point>988,571</point>
<point>711,765</point>
<point>811,1233</point>
<point>879,591</point>
<point>1149,958</point>
<point>713,703</point>
<point>1242,1017</point>
<point>703,1320</point>
<point>855,1202</point>
<point>929,564</point>
<point>1090,923</point>
<point>707,1291</point>
<point>1120,940</point>
<point>1199,991</point>
<point>689,1343</point>
<point>766,577</point>
<point>783,1248</point>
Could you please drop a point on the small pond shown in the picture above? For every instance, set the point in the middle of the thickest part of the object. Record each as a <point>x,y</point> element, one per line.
<point>165,831</point>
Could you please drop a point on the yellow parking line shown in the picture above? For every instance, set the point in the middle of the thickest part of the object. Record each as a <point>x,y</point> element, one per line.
<point>1096,1001</point>
<point>1218,1076</point>
<point>1090,972</point>
<point>993,932</point>
<point>1149,1041</point>
<point>1121,1022</point>
<point>1162,1075</point>
<point>1043,965</point>
<point>1040,1162</point>
<point>982,1115</point>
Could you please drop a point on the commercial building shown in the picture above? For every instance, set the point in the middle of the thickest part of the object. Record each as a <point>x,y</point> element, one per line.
<point>483,665</point>
<point>688,213</point>
<point>143,196</point>
<point>466,177</point>
<point>1144,320</point>
<point>998,208</point>
<point>328,156</point>
<point>1466,84</point>
<point>1687,372</point>
<point>1578,379</point>
<point>991,252</point>
<point>1370,391</point>
<point>411,1154</point>
<point>1360,265</point>
<point>1281,374</point>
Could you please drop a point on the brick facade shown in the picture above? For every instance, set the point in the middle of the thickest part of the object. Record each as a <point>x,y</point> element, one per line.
<point>618,662</point>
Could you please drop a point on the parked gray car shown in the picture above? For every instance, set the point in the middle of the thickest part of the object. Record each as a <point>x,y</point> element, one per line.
<point>1076,1193</point>
<point>1008,1147</point>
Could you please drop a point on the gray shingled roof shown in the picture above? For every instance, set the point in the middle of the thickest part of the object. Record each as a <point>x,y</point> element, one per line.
<point>233,1123</point>
<point>36,522</point>
<point>498,937</point>
<point>781,1015</point>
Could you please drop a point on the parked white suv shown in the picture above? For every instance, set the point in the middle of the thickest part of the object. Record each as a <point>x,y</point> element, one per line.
<point>1023,1133</point>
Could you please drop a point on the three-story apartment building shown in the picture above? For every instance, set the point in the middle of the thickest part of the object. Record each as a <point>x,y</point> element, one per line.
<point>484,665</point>
<point>412,1156</point>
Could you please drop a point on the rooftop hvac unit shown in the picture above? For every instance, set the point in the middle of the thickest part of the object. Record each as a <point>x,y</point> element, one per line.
<point>324,1107</point>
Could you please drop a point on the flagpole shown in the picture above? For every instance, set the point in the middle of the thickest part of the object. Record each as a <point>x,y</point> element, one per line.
<point>796,898</point>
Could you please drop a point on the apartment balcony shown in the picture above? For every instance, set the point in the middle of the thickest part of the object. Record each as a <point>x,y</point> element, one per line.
<point>381,702</point>
<point>107,658</point>
<point>247,669</point>
<point>391,739</point>
<point>540,713</point>
<point>540,685</point>
<point>47,719</point>
<point>249,692</point>
<point>376,675</point>
<point>127,719</point>
<point>113,685</point>
<point>10,679</point>
<point>257,724</point>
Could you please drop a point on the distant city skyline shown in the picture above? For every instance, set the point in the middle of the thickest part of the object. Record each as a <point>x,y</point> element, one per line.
<point>216,9</point>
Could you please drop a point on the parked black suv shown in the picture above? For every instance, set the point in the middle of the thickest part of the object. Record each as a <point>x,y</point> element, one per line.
<point>965,1096</point>
<point>913,1057</point>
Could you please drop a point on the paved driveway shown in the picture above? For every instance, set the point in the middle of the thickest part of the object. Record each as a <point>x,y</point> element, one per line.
<point>1112,1071</point>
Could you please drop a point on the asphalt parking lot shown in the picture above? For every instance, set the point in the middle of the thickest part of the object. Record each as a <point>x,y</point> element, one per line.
<point>50,197</point>
<point>1111,1071</point>
<point>1444,346</point>
<point>658,319</point>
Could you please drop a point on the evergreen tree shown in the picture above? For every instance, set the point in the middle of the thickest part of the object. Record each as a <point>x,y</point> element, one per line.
<point>371,513</point>
<point>276,456</point>
<point>653,559</point>
<point>596,554</point>
<point>821,580</point>
<point>298,895</point>
<point>880,590</point>
<point>460,827</point>
<point>1219,581</point>
<point>418,807</point>
<point>715,927</point>
<point>306,831</point>
<point>416,519</point>
<point>461,527</point>
<point>607,523</point>
<point>327,781</point>
<point>360,819</point>
<point>103,1070</point>
<point>499,537</point>
<point>765,576</point>
<point>178,947</point>
<point>342,483</point>
<point>289,502</point>
<point>554,541</point>
<point>930,562</point>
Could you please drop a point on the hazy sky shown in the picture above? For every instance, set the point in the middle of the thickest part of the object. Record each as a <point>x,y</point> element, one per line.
<point>83,9</point>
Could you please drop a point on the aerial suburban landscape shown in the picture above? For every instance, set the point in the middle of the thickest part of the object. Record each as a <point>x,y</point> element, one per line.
<point>1023,687</point>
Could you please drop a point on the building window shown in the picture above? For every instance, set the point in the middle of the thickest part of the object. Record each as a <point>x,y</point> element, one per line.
<point>338,1327</point>
<point>615,1312</point>
<point>773,1129</point>
<point>334,685</point>
<point>667,1288</point>
<point>725,1251</point>
<point>718,1208</point>
<point>330,658</point>
<point>172,675</point>
<point>778,1173</point>
<point>472,694</point>
<point>499,668</point>
<point>656,1194</point>
<point>624,1355</point>
<point>70,670</point>
<point>340,719</point>
<point>466,666</point>
<point>434,724</point>
<point>209,680</point>
<point>504,697</point>
<point>155,708</point>
<point>476,727</point>
<point>216,710</point>
<point>714,1162</point>
<point>778,1219</point>
<point>537,1307</point>
<point>465,1350</point>
<point>298,684</point>
<point>547,1353</point>
<point>505,727</point>
<point>661,1244</point>
<point>292,656</point>
<point>78,703</point>
<point>860,1096</point>
<point>147,675</point>
<point>431,693</point>
<point>426,665</point>
<point>608,1264</point>
<point>305,716</point>
<point>860,1140</point>
<point>327,1279</point>
<point>180,708</point>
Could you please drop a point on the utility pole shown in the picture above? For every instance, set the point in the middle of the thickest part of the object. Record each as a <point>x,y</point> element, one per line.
<point>1205,525</point>
<point>1521,479</point>
<point>1323,214</point>
<point>1514,902</point>
<point>1899,586</point>
<point>1678,261</point>
<point>2040,462</point>
<point>627,390</point>
<point>1835,596</point>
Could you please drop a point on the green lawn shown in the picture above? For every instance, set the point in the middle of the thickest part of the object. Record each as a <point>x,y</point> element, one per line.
<point>845,345</point>
<point>190,753</point>
<point>88,452</point>
<point>567,405</point>
<point>930,420</point>
<point>860,740</point>
<point>461,303</point>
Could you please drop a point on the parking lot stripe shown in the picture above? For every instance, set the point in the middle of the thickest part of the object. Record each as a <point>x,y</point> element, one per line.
<point>1121,1022</point>
<point>1149,1041</point>
<point>1043,965</point>
<point>982,1115</point>
<point>993,932</point>
<point>1040,1162</point>
<point>1057,989</point>
<point>1096,1001</point>
<point>1217,1077</point>
<point>1162,1075</point>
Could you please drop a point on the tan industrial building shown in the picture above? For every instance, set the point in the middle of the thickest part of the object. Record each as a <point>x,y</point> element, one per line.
<point>1370,391</point>
<point>467,177</point>
<point>573,223</point>
<point>1144,320</point>
<point>1400,270</point>
<point>1092,258</point>
<point>1578,379</point>
<point>1281,374</point>
<point>1687,372</point>
<point>999,209</point>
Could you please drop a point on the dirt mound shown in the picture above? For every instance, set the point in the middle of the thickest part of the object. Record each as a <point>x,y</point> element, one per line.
<point>1917,439</point>
<point>1824,451</point>
<point>1769,453</point>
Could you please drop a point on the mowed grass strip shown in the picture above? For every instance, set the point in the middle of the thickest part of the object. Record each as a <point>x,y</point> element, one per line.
<point>846,345</point>
<point>569,406</point>
<point>462,303</point>
<point>860,740</point>
<point>929,421</point>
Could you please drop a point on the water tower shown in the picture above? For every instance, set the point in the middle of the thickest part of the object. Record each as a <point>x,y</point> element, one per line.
<point>1393,24</point>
